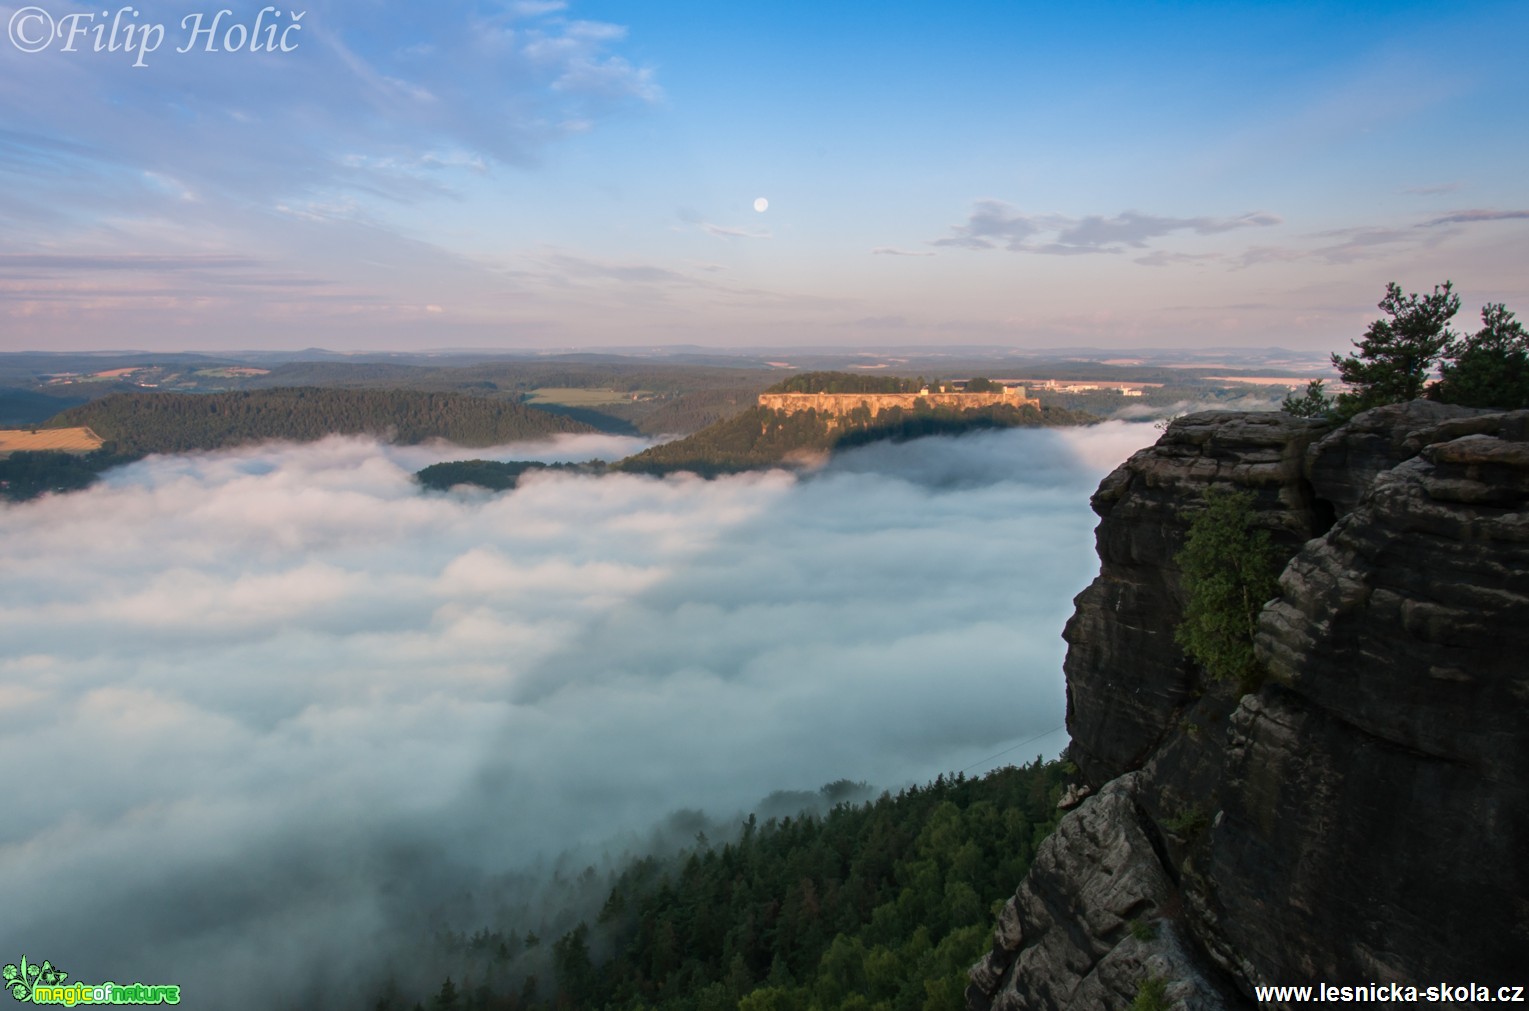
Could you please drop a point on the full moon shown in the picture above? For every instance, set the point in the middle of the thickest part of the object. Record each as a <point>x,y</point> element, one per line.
<point>761,205</point>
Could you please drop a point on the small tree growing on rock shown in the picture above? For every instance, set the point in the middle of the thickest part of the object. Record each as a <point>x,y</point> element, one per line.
<point>1230,570</point>
<point>1314,403</point>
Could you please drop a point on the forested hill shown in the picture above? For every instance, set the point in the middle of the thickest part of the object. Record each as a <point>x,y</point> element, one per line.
<point>881,905</point>
<point>178,422</point>
<point>760,437</point>
<point>846,382</point>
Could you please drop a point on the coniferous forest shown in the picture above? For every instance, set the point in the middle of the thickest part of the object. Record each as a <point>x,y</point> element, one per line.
<point>136,423</point>
<point>880,906</point>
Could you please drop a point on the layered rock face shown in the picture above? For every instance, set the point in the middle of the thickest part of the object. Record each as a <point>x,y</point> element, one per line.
<point>1363,816</point>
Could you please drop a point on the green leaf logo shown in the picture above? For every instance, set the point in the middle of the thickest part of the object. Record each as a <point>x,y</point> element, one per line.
<point>21,980</point>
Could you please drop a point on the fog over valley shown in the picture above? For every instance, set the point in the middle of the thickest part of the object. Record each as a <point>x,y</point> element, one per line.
<point>276,707</point>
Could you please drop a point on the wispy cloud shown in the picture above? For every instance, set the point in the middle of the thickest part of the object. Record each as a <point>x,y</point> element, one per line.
<point>1164,258</point>
<point>994,224</point>
<point>729,232</point>
<point>894,251</point>
<point>380,101</point>
<point>1434,190</point>
<point>126,261</point>
<point>1472,217</point>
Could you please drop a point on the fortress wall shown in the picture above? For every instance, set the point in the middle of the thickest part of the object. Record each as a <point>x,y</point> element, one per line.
<point>843,403</point>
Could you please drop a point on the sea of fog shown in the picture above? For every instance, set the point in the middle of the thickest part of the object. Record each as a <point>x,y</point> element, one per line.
<point>264,712</point>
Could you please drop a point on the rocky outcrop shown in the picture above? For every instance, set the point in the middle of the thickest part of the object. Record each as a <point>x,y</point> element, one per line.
<point>1361,817</point>
<point>1089,908</point>
<point>838,404</point>
<point>1126,676</point>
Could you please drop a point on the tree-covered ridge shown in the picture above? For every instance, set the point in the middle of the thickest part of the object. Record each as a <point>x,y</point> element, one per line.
<point>760,437</point>
<point>491,474</point>
<point>880,906</point>
<point>28,474</point>
<point>176,422</point>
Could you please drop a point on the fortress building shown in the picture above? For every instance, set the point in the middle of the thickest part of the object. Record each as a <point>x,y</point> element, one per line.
<point>838,404</point>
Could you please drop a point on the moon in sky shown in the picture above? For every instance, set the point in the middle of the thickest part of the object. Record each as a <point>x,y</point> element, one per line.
<point>761,205</point>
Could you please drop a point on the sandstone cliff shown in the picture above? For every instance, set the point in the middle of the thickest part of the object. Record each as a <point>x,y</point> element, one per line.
<point>1363,817</point>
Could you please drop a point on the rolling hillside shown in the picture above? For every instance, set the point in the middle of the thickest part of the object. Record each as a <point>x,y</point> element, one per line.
<point>174,423</point>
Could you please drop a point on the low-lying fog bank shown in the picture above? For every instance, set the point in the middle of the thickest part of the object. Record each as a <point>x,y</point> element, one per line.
<point>266,711</point>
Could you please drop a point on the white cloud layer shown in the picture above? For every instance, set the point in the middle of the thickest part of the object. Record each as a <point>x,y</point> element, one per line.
<point>266,709</point>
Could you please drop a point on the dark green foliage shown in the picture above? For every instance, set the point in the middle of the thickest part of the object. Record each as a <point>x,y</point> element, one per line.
<point>1397,354</point>
<point>760,437</point>
<point>1151,995</point>
<point>1230,570</point>
<point>1489,368</point>
<point>1314,403</point>
<point>447,998</point>
<point>883,904</point>
<point>28,474</point>
<point>180,422</point>
<point>1187,823</point>
<point>846,382</point>
<point>490,474</point>
<point>981,384</point>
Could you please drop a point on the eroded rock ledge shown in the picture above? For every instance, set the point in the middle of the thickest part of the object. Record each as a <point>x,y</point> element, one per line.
<point>1362,817</point>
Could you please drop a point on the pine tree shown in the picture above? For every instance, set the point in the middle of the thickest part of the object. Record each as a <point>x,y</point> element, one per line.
<point>1396,355</point>
<point>1489,368</point>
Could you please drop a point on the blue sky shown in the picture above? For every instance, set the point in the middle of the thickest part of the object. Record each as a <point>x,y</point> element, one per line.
<point>543,174</point>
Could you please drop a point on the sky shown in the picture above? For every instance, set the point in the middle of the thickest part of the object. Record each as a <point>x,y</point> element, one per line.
<point>269,711</point>
<point>547,174</point>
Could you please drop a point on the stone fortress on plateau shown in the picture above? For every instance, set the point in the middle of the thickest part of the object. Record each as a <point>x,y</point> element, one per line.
<point>840,404</point>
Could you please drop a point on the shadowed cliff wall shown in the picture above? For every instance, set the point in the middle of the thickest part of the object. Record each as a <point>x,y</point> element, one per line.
<point>1362,816</point>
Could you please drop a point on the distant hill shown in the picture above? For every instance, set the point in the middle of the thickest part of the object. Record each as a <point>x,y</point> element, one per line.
<point>136,423</point>
<point>20,406</point>
<point>764,438</point>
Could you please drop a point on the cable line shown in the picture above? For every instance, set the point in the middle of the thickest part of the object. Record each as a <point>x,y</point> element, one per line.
<point>1016,747</point>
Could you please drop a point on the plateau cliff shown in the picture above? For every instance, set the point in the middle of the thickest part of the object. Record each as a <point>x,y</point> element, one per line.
<point>836,404</point>
<point>1359,818</point>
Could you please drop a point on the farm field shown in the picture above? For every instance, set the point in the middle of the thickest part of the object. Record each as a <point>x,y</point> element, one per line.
<point>69,440</point>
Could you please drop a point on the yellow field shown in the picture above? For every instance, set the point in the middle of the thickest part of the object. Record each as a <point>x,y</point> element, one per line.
<point>70,440</point>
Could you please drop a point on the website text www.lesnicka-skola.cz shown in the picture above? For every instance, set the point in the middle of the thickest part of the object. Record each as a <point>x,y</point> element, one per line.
<point>1394,993</point>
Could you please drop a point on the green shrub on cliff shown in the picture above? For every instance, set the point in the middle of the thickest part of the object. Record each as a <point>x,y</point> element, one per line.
<point>1152,995</point>
<point>1230,570</point>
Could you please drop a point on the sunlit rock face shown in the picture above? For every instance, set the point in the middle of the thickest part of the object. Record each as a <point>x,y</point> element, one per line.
<point>1359,818</point>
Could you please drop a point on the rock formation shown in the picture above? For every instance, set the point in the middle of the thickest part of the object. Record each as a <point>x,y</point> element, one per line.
<point>839,404</point>
<point>1364,815</point>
